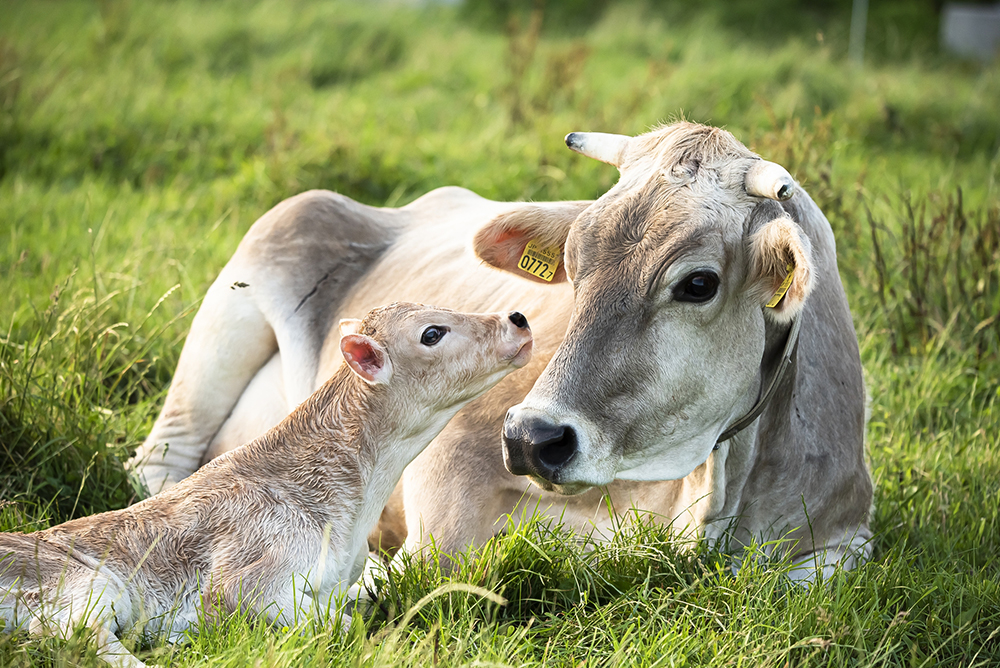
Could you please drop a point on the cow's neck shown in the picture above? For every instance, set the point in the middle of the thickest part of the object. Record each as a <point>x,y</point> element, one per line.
<point>780,344</point>
<point>729,466</point>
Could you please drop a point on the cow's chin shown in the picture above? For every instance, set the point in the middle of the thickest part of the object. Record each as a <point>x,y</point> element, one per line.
<point>566,489</point>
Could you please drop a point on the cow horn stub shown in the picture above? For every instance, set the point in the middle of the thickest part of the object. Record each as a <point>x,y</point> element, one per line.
<point>599,146</point>
<point>769,179</point>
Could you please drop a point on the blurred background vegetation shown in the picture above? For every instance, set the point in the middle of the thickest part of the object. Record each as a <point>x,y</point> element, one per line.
<point>140,140</point>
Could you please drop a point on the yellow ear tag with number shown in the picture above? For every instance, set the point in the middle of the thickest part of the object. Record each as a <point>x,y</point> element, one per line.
<point>783,288</point>
<point>540,262</point>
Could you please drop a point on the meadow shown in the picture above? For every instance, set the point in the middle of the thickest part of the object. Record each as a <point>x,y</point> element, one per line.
<point>140,140</point>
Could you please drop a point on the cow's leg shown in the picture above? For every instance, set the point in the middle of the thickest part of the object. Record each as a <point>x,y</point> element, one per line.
<point>109,647</point>
<point>281,289</point>
<point>111,650</point>
<point>77,598</point>
<point>230,340</point>
<point>824,561</point>
<point>261,406</point>
<point>300,343</point>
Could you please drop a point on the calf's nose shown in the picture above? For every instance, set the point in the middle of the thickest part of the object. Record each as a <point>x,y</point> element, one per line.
<point>519,320</point>
<point>535,446</point>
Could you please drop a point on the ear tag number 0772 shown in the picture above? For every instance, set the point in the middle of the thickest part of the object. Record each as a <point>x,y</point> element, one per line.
<point>539,261</point>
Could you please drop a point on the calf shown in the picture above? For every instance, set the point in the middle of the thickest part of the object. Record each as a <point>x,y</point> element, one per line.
<point>278,527</point>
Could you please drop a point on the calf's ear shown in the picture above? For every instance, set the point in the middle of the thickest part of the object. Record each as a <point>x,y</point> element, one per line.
<point>501,242</point>
<point>781,267</point>
<point>349,326</point>
<point>366,358</point>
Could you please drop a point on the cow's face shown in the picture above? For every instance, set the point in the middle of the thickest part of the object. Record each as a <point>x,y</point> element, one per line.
<point>671,270</point>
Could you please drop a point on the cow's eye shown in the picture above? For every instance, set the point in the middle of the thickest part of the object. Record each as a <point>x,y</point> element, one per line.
<point>698,287</point>
<point>432,335</point>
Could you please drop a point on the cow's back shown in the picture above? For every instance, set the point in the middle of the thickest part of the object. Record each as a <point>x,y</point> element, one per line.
<point>325,257</point>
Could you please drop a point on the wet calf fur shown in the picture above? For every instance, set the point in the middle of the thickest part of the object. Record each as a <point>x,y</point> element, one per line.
<point>276,528</point>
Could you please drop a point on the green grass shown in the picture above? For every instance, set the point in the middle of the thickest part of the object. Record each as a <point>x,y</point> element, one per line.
<point>139,141</point>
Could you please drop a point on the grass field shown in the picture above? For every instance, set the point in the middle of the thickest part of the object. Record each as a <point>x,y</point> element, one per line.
<point>139,141</point>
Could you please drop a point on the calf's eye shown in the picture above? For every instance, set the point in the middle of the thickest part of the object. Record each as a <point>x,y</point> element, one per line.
<point>698,287</point>
<point>432,335</point>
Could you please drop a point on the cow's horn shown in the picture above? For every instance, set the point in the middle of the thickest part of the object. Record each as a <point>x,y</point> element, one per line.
<point>599,146</point>
<point>769,179</point>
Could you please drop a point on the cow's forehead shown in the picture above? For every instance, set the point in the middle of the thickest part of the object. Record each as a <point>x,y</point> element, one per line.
<point>657,217</point>
<point>682,144</point>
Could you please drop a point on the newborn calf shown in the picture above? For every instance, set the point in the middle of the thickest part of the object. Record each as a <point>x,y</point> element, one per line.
<point>279,526</point>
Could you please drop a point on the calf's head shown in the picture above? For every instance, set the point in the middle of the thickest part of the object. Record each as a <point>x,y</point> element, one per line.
<point>434,359</point>
<point>671,271</point>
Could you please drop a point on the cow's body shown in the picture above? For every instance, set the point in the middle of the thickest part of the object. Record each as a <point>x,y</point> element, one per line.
<point>255,352</point>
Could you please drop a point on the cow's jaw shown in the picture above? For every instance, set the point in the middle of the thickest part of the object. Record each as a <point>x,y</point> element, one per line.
<point>648,454</point>
<point>669,462</point>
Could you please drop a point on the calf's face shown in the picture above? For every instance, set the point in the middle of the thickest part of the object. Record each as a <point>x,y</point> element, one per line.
<point>435,358</point>
<point>671,270</point>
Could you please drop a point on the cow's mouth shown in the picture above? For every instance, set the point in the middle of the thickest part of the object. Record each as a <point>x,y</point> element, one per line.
<point>570,489</point>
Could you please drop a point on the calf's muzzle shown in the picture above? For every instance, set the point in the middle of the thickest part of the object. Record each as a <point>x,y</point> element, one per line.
<point>518,319</point>
<point>536,446</point>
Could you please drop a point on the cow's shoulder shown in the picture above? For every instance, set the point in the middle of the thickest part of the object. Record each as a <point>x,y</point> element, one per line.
<point>311,216</point>
<point>315,227</point>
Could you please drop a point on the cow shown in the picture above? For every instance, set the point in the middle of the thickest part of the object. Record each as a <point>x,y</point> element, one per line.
<point>695,356</point>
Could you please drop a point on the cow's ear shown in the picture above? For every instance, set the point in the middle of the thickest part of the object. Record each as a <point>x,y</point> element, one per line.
<point>502,241</point>
<point>781,267</point>
<point>366,358</point>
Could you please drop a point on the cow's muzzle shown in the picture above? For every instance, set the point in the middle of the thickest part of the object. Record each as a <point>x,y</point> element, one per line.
<point>534,445</point>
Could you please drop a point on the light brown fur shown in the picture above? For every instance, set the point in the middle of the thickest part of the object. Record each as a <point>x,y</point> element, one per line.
<point>277,528</point>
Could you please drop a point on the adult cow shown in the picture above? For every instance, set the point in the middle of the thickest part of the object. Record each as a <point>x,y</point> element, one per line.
<point>701,364</point>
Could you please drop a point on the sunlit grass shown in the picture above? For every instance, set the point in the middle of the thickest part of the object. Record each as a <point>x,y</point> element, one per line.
<point>139,141</point>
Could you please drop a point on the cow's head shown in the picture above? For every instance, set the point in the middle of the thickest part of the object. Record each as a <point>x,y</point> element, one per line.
<point>671,271</point>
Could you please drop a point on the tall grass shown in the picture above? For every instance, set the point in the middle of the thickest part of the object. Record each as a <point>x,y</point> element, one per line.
<point>138,142</point>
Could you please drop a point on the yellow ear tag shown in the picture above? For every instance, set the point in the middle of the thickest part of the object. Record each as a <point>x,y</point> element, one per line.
<point>540,262</point>
<point>783,288</point>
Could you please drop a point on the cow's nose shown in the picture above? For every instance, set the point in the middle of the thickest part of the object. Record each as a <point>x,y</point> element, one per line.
<point>519,320</point>
<point>535,446</point>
